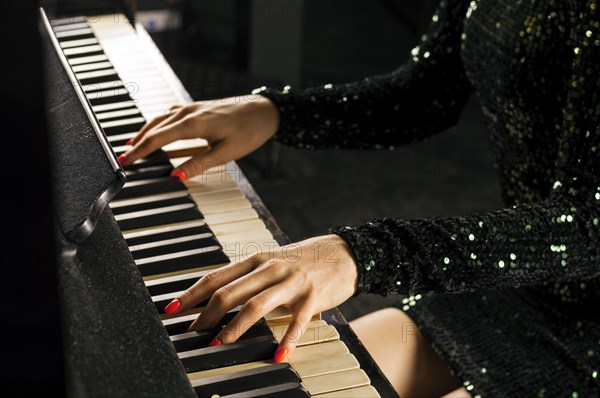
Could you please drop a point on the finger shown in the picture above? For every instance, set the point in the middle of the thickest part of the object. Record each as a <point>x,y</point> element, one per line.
<point>296,329</point>
<point>149,143</point>
<point>209,283</point>
<point>233,294</point>
<point>255,309</point>
<point>218,154</point>
<point>153,123</point>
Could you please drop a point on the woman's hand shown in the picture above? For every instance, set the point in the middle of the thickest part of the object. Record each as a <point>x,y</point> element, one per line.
<point>307,277</point>
<point>233,127</point>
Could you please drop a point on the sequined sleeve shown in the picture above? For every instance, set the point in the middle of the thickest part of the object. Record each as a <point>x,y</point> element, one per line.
<point>554,240</point>
<point>421,98</point>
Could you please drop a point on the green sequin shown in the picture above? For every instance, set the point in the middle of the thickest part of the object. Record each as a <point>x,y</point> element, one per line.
<point>534,66</point>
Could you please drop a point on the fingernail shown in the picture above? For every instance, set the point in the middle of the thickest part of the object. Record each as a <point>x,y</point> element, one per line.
<point>121,158</point>
<point>129,142</point>
<point>180,174</point>
<point>280,354</point>
<point>215,342</point>
<point>172,307</point>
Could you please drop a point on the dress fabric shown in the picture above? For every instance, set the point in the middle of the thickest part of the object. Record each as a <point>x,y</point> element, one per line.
<point>510,298</point>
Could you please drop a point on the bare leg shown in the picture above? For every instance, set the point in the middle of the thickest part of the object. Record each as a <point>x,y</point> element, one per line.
<point>459,393</point>
<point>405,357</point>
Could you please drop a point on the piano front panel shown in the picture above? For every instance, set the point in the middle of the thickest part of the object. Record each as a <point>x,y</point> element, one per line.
<point>177,232</point>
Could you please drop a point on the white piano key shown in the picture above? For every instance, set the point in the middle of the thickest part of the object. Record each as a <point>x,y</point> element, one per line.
<point>120,137</point>
<point>121,148</point>
<point>166,296</point>
<point>113,114</point>
<point>98,73</point>
<point>115,204</point>
<point>326,364</point>
<point>116,105</point>
<point>206,188</point>
<point>237,227</point>
<point>233,216</point>
<point>78,43</point>
<point>181,318</point>
<point>90,67</point>
<point>359,392</point>
<point>151,212</point>
<point>71,26</point>
<point>186,253</point>
<point>189,316</point>
<point>194,145</point>
<point>165,101</point>
<point>219,196</point>
<point>154,92</point>
<point>122,122</point>
<point>163,229</point>
<point>82,50</point>
<point>73,32</point>
<point>225,206</point>
<point>333,382</point>
<point>260,235</point>
<point>91,88</point>
<point>170,279</point>
<point>107,93</point>
<point>173,241</point>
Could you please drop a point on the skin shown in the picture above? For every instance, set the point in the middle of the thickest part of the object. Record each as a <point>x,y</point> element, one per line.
<point>306,277</point>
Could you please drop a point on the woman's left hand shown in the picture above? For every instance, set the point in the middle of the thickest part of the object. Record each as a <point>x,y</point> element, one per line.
<point>308,277</point>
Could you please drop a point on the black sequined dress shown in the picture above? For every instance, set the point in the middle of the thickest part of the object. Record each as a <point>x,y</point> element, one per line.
<point>510,298</point>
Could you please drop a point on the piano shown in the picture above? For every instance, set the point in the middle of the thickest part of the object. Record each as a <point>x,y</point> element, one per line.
<point>131,239</point>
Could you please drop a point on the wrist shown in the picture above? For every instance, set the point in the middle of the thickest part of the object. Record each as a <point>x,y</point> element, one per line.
<point>269,115</point>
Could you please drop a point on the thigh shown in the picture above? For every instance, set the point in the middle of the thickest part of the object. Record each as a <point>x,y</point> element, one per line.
<point>403,354</point>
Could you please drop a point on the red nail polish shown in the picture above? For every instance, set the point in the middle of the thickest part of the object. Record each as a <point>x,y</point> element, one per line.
<point>280,354</point>
<point>215,342</point>
<point>129,142</point>
<point>180,174</point>
<point>121,158</point>
<point>172,307</point>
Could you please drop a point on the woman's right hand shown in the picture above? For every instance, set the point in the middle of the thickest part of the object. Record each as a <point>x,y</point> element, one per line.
<point>233,127</point>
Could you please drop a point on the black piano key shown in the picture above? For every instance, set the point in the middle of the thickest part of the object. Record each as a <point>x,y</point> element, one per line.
<point>101,79</point>
<point>176,285</point>
<point>178,325</point>
<point>286,390</point>
<point>201,339</point>
<point>68,21</point>
<point>153,204</point>
<point>97,98</point>
<point>156,158</point>
<point>152,186</point>
<point>121,117</point>
<point>166,216</point>
<point>213,257</point>
<point>246,380</point>
<point>244,351</point>
<point>76,37</point>
<point>196,229</point>
<point>160,250</point>
<point>162,303</point>
<point>120,142</point>
<point>126,128</point>
<point>95,91</point>
<point>144,173</point>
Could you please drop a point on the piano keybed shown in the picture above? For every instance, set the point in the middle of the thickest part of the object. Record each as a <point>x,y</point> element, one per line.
<point>177,232</point>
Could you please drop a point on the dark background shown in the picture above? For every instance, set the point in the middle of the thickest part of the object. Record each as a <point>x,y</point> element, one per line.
<point>210,45</point>
<point>310,191</point>
<point>221,48</point>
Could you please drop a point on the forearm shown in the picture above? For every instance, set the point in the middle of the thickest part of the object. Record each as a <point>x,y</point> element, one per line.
<point>421,98</point>
<point>555,240</point>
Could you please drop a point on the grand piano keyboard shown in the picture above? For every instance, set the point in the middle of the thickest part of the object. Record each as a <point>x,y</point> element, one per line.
<point>178,231</point>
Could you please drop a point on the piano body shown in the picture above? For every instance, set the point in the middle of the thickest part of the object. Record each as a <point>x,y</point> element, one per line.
<point>129,240</point>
